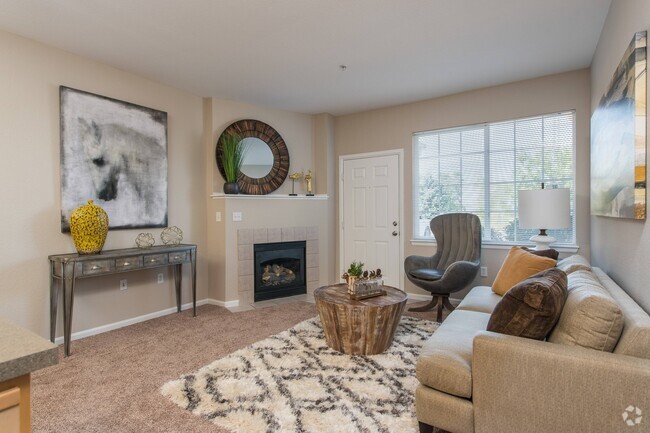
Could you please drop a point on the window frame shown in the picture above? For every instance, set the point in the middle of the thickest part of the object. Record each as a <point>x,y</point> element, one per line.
<point>419,240</point>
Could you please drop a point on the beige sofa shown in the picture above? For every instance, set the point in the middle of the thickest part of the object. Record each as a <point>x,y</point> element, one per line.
<point>472,380</point>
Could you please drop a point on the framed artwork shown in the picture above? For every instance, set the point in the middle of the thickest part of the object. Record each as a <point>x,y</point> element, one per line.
<point>618,139</point>
<point>114,153</point>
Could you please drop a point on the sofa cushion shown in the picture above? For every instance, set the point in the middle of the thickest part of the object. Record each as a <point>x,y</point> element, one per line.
<point>445,362</point>
<point>581,277</point>
<point>531,308</point>
<point>446,412</point>
<point>591,317</point>
<point>574,263</point>
<point>635,339</point>
<point>518,266</point>
<point>481,299</point>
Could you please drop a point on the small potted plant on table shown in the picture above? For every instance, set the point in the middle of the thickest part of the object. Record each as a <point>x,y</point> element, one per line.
<point>363,284</point>
<point>354,272</point>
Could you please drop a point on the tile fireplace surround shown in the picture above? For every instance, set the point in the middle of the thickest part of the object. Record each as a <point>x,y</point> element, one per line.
<point>246,238</point>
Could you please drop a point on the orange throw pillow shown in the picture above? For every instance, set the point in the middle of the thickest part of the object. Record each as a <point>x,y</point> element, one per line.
<point>518,266</point>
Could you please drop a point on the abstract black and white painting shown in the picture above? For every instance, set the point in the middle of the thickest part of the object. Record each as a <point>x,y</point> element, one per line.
<point>114,153</point>
<point>618,139</point>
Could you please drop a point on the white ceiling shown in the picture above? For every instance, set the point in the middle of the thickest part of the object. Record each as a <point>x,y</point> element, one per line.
<point>286,53</point>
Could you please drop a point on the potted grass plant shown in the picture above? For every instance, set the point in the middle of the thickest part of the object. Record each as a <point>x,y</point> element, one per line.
<point>354,273</point>
<point>233,151</point>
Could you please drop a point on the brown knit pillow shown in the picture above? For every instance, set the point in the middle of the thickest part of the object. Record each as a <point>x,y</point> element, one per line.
<point>532,307</point>
<point>549,252</point>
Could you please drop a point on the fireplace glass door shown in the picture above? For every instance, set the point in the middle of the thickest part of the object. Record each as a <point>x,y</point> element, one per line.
<point>279,270</point>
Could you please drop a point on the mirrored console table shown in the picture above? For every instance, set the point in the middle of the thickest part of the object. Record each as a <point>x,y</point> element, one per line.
<point>65,269</point>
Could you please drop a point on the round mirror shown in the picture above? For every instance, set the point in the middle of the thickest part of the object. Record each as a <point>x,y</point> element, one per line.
<point>266,163</point>
<point>258,160</point>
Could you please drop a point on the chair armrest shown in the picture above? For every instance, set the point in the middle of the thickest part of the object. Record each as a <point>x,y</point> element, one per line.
<point>458,275</point>
<point>522,385</point>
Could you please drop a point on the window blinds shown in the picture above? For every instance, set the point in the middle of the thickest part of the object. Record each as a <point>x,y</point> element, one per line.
<point>480,168</point>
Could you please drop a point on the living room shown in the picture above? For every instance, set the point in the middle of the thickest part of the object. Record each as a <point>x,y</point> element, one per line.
<point>336,81</point>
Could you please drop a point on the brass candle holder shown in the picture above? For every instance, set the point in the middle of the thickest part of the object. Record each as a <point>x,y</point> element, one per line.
<point>293,178</point>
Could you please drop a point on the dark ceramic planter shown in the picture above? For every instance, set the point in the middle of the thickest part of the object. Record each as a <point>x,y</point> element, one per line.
<point>230,188</point>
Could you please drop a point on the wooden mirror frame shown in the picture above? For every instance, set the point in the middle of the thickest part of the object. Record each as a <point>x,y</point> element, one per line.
<point>272,181</point>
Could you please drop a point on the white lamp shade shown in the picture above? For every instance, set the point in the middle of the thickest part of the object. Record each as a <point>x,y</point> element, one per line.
<point>544,209</point>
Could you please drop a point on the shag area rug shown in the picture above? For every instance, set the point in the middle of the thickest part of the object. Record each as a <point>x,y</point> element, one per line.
<point>293,382</point>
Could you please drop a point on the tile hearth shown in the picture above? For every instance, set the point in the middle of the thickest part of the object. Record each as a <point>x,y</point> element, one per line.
<point>246,238</point>
<point>265,304</point>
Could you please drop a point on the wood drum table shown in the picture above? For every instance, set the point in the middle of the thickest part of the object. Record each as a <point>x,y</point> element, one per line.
<point>364,327</point>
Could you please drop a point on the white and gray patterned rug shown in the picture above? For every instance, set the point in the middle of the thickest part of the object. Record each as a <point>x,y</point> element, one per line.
<point>292,382</point>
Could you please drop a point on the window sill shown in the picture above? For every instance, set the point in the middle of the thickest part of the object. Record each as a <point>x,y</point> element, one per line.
<point>501,246</point>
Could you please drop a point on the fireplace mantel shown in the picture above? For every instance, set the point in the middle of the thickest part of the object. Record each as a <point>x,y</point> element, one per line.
<point>222,196</point>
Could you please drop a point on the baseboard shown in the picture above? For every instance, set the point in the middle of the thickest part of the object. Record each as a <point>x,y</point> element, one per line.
<point>207,301</point>
<point>418,297</point>
<point>122,323</point>
<point>226,304</point>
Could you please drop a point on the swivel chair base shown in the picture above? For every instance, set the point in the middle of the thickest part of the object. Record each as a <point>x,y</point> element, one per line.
<point>438,300</point>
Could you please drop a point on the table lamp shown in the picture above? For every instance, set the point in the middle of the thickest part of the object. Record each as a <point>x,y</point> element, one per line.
<point>544,209</point>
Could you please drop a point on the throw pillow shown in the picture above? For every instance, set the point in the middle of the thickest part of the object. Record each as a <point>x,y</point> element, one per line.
<point>550,253</point>
<point>531,308</point>
<point>518,266</point>
<point>574,263</point>
<point>591,318</point>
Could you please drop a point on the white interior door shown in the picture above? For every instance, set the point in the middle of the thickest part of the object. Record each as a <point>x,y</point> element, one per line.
<point>370,226</point>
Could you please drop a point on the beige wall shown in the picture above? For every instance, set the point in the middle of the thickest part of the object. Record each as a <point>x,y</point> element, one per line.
<point>29,132</point>
<point>325,165</point>
<point>621,247</point>
<point>392,128</point>
<point>30,75</point>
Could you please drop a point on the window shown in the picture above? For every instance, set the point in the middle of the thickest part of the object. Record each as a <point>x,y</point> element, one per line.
<point>480,168</point>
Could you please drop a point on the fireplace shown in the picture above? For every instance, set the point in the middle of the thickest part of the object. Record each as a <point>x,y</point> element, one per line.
<point>279,270</point>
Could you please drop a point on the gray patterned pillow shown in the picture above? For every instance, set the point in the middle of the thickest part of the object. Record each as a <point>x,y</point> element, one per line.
<point>574,263</point>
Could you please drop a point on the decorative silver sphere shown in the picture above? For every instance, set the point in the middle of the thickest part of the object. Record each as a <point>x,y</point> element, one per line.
<point>171,236</point>
<point>145,240</point>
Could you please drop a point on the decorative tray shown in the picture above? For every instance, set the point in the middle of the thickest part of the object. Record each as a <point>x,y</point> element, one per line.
<point>368,295</point>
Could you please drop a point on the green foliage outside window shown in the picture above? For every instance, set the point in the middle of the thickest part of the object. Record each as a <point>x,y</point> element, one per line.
<point>437,199</point>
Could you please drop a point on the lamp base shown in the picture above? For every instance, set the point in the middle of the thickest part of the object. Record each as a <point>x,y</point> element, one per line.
<point>542,242</point>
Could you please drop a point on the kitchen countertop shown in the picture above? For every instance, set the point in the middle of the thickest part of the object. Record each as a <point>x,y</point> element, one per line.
<point>22,351</point>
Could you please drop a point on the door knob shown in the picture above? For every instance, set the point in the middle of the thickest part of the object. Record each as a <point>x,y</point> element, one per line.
<point>394,223</point>
<point>395,233</point>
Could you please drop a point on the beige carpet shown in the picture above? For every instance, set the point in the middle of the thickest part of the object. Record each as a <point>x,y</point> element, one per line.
<point>112,381</point>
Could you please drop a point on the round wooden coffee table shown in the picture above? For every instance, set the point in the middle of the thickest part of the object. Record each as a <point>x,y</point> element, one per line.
<point>364,327</point>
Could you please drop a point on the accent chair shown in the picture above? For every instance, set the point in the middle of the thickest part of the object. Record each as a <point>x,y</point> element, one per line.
<point>454,265</point>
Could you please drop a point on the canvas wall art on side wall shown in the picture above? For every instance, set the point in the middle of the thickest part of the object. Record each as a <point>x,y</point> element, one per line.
<point>114,153</point>
<point>618,139</point>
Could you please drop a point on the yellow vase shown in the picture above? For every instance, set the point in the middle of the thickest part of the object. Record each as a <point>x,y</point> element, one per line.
<point>89,227</point>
